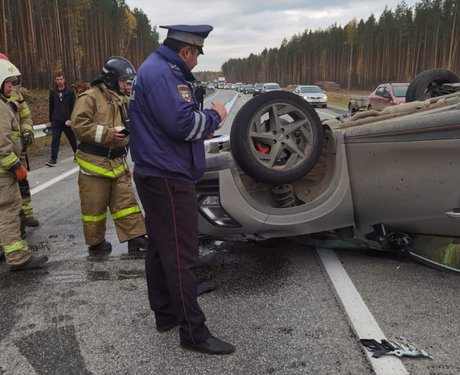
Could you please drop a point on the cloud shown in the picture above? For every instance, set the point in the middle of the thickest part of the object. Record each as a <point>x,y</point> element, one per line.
<point>242,27</point>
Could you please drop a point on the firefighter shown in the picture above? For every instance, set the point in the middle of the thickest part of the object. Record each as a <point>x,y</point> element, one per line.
<point>101,125</point>
<point>16,251</point>
<point>10,95</point>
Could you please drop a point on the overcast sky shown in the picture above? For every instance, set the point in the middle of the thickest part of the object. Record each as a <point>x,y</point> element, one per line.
<point>242,27</point>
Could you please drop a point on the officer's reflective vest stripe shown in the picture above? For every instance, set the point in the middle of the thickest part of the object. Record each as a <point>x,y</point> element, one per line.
<point>15,246</point>
<point>125,212</point>
<point>111,173</point>
<point>198,127</point>
<point>7,161</point>
<point>90,218</point>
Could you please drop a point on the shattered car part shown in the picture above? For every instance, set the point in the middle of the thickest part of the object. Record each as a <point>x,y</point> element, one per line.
<point>400,347</point>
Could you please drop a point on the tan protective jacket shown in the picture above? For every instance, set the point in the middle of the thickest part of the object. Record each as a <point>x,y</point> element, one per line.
<point>23,115</point>
<point>10,140</point>
<point>96,113</point>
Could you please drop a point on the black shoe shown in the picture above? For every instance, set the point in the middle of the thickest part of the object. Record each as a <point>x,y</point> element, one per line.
<point>205,286</point>
<point>137,245</point>
<point>167,327</point>
<point>212,345</point>
<point>32,262</point>
<point>100,251</point>
<point>31,221</point>
<point>51,163</point>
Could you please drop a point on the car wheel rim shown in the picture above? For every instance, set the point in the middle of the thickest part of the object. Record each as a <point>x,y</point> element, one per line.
<point>281,136</point>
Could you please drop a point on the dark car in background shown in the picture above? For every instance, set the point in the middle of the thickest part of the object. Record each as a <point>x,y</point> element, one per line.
<point>387,94</point>
<point>257,88</point>
<point>248,88</point>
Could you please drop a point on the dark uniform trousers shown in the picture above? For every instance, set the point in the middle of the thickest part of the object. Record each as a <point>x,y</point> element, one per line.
<point>171,261</point>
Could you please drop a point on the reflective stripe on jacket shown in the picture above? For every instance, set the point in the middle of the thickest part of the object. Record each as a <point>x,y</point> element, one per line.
<point>116,215</point>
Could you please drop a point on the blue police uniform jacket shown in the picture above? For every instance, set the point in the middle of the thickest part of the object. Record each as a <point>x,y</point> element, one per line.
<point>167,129</point>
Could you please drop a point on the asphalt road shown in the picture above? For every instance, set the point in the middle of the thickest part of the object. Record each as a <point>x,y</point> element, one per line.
<point>275,301</point>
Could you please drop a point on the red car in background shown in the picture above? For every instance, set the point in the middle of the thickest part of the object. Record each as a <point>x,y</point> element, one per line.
<point>387,94</point>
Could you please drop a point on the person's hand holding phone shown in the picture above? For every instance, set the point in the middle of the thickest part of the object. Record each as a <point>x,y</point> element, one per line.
<point>121,133</point>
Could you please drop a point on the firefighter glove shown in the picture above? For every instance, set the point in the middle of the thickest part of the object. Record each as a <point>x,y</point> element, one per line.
<point>21,173</point>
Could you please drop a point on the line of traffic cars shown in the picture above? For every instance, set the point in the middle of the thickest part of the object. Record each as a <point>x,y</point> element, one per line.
<point>313,94</point>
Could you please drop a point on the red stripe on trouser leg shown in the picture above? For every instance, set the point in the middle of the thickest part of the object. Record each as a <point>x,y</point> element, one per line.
<point>178,260</point>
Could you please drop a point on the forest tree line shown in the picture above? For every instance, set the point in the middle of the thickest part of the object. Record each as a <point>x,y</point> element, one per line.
<point>397,46</point>
<point>76,36</point>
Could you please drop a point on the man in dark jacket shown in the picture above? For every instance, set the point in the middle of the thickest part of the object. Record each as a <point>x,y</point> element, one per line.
<point>200,93</point>
<point>61,102</point>
<point>167,146</point>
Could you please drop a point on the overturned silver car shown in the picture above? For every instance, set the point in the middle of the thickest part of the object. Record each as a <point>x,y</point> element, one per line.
<point>386,180</point>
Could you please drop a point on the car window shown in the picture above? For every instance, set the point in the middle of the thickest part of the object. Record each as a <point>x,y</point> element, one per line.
<point>400,91</point>
<point>312,89</point>
<point>380,91</point>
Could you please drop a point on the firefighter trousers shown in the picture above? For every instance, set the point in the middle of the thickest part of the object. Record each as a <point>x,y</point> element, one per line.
<point>24,187</point>
<point>171,260</point>
<point>96,194</point>
<point>14,248</point>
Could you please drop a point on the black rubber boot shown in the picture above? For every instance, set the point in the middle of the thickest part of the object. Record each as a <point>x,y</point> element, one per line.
<point>33,262</point>
<point>100,251</point>
<point>137,245</point>
<point>32,222</point>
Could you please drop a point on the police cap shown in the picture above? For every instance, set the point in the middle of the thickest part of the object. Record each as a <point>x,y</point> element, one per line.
<point>190,34</point>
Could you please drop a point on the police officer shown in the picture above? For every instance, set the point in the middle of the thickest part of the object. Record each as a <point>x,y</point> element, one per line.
<point>16,251</point>
<point>9,94</point>
<point>167,135</point>
<point>100,122</point>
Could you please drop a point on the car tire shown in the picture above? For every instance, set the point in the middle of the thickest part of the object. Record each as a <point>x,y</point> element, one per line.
<point>351,109</point>
<point>276,138</point>
<point>324,105</point>
<point>428,84</point>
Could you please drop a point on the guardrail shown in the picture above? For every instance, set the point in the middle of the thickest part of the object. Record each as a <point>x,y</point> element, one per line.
<point>42,130</point>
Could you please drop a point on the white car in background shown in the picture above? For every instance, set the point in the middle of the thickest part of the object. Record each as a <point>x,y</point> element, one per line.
<point>312,94</point>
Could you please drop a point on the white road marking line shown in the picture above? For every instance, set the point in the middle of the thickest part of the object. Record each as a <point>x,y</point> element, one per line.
<point>53,181</point>
<point>360,317</point>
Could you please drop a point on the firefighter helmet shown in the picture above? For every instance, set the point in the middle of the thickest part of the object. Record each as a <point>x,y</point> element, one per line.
<point>114,69</point>
<point>8,71</point>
